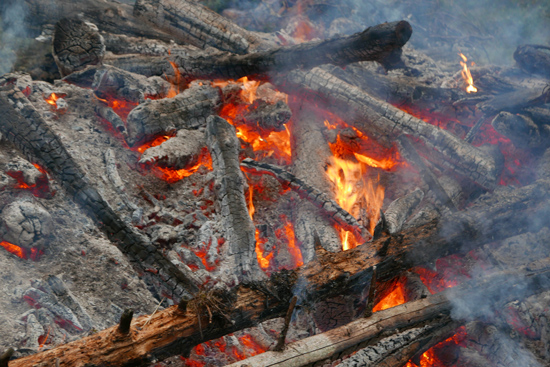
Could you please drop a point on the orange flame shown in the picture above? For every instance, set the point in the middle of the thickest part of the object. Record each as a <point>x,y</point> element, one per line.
<point>288,232</point>
<point>264,262</point>
<point>430,357</point>
<point>175,83</point>
<point>53,97</point>
<point>466,75</point>
<point>171,175</point>
<point>119,105</point>
<point>16,250</point>
<point>395,297</point>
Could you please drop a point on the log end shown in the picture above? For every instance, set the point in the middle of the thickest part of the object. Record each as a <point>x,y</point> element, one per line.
<point>403,32</point>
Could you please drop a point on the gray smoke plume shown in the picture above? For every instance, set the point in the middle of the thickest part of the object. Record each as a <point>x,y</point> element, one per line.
<point>12,28</point>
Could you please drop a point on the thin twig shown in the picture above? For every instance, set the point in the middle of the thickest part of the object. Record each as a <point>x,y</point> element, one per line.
<point>154,312</point>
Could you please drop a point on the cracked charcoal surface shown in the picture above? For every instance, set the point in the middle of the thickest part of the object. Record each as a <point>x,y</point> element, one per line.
<point>31,134</point>
<point>26,224</point>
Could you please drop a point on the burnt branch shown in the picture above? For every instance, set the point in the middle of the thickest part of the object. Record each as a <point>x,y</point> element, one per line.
<point>308,192</point>
<point>400,209</point>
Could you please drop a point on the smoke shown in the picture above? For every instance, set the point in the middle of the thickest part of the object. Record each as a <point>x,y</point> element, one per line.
<point>12,29</point>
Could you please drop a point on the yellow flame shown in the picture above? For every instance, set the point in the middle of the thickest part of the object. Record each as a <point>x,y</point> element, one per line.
<point>466,75</point>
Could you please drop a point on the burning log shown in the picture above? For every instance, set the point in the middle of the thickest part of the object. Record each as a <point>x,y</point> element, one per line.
<point>400,209</point>
<point>109,115</point>
<point>31,134</point>
<point>534,59</point>
<point>384,122</point>
<point>76,44</point>
<point>187,110</point>
<point>181,151</point>
<point>432,311</point>
<point>316,197</point>
<point>224,147</point>
<point>310,154</point>
<point>408,151</point>
<point>522,131</point>
<point>195,24</point>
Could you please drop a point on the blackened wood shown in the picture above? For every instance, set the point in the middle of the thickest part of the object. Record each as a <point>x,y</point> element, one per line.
<point>125,321</point>
<point>281,339</point>
<point>522,131</point>
<point>192,23</point>
<point>534,59</point>
<point>540,115</point>
<point>409,153</point>
<point>31,134</point>
<point>320,199</point>
<point>230,186</point>
<point>5,357</point>
<point>384,122</point>
<point>76,44</point>
<point>400,209</point>
<point>373,44</point>
<point>310,154</point>
<point>267,116</point>
<point>372,293</point>
<point>108,15</point>
<point>187,110</point>
<point>516,100</point>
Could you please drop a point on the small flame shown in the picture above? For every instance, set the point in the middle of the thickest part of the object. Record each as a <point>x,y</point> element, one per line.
<point>171,175</point>
<point>175,83</point>
<point>264,262</point>
<point>394,298</point>
<point>430,357</point>
<point>288,232</point>
<point>466,75</point>
<point>53,97</point>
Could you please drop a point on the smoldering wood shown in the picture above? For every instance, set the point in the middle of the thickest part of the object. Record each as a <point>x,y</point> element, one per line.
<point>121,44</point>
<point>534,59</point>
<point>267,116</point>
<point>516,100</point>
<point>383,122</point>
<point>310,154</point>
<point>240,232</point>
<point>125,321</point>
<point>116,181</point>
<point>409,153</point>
<point>400,209</point>
<point>76,44</point>
<point>180,151</point>
<point>433,310</point>
<point>321,200</point>
<point>5,357</point>
<point>109,115</point>
<point>187,110</point>
<point>193,23</point>
<point>415,289</point>
<point>30,133</point>
<point>371,294</point>
<point>540,115</point>
<point>374,44</point>
<point>522,131</point>
<point>108,15</point>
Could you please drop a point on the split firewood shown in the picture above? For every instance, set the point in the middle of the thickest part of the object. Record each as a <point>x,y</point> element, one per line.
<point>400,209</point>
<point>433,310</point>
<point>181,151</point>
<point>230,185</point>
<point>187,110</point>
<point>31,134</point>
<point>534,59</point>
<point>383,122</point>
<point>310,154</point>
<point>318,198</point>
<point>107,15</point>
<point>522,131</point>
<point>76,44</point>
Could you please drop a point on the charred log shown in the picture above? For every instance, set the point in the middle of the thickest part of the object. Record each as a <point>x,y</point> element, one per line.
<point>384,122</point>
<point>76,44</point>
<point>187,110</point>
<point>224,147</point>
<point>400,209</point>
<point>321,200</point>
<point>181,151</point>
<point>109,115</point>
<point>534,59</point>
<point>31,134</point>
<point>522,131</point>
<point>516,100</point>
<point>267,116</point>
<point>310,154</point>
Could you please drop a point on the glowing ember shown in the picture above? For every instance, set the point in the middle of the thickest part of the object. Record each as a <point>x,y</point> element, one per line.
<point>466,75</point>
<point>21,252</point>
<point>153,143</point>
<point>432,357</point>
<point>264,262</point>
<point>395,297</point>
<point>53,97</point>
<point>119,105</point>
<point>175,83</point>
<point>171,175</point>
<point>41,188</point>
<point>287,232</point>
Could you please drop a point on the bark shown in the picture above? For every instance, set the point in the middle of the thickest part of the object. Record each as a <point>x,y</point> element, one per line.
<point>107,15</point>
<point>496,290</point>
<point>383,122</point>
<point>534,59</point>
<point>328,206</point>
<point>400,209</point>
<point>30,133</point>
<point>193,23</point>
<point>310,154</point>
<point>76,44</point>
<point>230,186</point>
<point>187,110</point>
